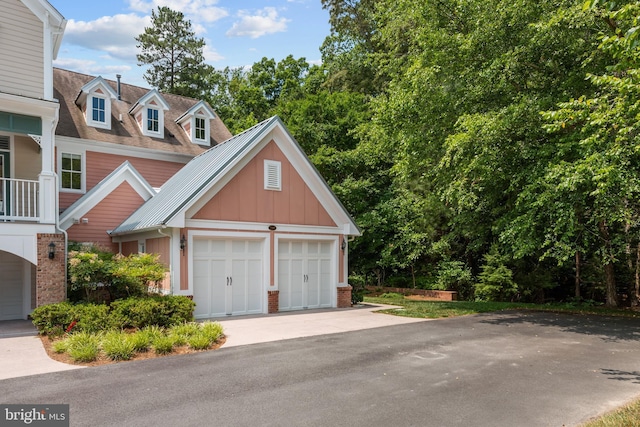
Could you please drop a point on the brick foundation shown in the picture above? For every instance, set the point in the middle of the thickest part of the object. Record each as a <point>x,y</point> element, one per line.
<point>50,273</point>
<point>273,300</point>
<point>344,297</point>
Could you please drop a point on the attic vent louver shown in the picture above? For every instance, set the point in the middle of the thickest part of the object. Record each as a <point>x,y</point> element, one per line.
<point>272,175</point>
<point>4,142</point>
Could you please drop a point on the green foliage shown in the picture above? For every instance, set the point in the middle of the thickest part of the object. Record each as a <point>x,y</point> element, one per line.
<point>163,344</point>
<point>155,310</point>
<point>161,311</point>
<point>140,341</point>
<point>53,319</point>
<point>199,341</point>
<point>95,274</point>
<point>454,276</point>
<point>212,330</point>
<point>174,54</point>
<point>83,346</point>
<point>116,345</point>
<point>495,282</point>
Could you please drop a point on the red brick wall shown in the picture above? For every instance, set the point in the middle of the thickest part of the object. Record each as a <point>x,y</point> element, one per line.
<point>50,273</point>
<point>273,301</point>
<point>344,297</point>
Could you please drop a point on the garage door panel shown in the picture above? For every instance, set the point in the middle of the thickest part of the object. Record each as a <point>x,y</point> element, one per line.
<point>11,298</point>
<point>304,274</point>
<point>231,282</point>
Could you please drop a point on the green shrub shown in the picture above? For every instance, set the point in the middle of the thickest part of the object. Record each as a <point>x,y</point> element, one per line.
<point>83,346</point>
<point>212,330</point>
<point>496,279</point>
<point>156,310</point>
<point>163,344</point>
<point>140,341</point>
<point>52,319</point>
<point>199,341</point>
<point>60,346</point>
<point>91,317</point>
<point>391,295</point>
<point>117,346</point>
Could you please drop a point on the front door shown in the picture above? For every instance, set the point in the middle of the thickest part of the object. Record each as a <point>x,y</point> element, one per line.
<point>4,185</point>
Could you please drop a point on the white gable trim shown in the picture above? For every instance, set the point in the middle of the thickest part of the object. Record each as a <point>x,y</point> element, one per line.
<point>124,173</point>
<point>298,160</point>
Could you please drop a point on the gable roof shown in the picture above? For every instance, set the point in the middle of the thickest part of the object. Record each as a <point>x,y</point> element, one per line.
<point>148,97</point>
<point>72,123</point>
<point>200,105</point>
<point>167,208</point>
<point>123,173</point>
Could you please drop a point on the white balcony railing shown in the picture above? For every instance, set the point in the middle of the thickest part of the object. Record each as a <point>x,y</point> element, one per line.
<point>19,200</point>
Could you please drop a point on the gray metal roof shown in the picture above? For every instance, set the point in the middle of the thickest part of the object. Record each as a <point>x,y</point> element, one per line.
<point>187,184</point>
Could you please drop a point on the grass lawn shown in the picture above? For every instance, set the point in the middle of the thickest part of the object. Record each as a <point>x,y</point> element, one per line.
<point>438,309</point>
<point>625,416</point>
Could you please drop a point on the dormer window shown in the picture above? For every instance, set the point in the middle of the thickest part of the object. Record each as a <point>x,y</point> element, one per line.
<point>149,114</point>
<point>95,101</point>
<point>98,111</point>
<point>201,129</point>
<point>196,123</point>
<point>152,120</point>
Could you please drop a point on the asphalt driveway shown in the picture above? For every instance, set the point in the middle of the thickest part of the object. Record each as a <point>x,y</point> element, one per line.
<point>503,369</point>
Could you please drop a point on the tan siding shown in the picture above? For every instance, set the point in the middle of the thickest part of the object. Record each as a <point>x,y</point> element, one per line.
<point>106,215</point>
<point>159,246</point>
<point>22,46</point>
<point>245,199</point>
<point>28,158</point>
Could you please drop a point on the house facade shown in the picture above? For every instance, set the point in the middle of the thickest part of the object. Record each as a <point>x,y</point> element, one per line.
<point>243,224</point>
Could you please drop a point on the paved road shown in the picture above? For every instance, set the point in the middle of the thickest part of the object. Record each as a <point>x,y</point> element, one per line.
<point>505,369</point>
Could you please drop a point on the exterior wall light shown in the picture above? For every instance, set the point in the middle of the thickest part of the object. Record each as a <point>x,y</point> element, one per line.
<point>52,250</point>
<point>183,243</point>
<point>343,246</point>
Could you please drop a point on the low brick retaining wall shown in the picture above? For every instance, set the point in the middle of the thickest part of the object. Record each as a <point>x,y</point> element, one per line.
<point>441,295</point>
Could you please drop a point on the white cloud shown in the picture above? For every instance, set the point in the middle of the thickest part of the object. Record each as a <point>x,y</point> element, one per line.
<point>196,11</point>
<point>114,35</point>
<point>265,21</point>
<point>210,54</point>
<point>87,66</point>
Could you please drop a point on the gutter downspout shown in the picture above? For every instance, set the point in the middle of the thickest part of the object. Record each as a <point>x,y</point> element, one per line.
<point>171,279</point>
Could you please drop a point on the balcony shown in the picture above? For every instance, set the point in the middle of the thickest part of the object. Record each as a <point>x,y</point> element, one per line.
<point>19,200</point>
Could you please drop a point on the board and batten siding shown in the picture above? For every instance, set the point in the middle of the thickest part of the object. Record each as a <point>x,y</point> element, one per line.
<point>245,199</point>
<point>22,47</point>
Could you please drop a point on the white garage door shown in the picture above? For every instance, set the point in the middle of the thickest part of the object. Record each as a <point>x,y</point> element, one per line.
<point>10,287</point>
<point>227,277</point>
<point>304,274</point>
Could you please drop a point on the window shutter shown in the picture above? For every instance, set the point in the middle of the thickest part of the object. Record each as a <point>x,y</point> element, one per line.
<point>4,142</point>
<point>272,175</point>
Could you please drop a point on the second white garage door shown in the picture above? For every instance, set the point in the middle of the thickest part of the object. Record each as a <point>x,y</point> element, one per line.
<point>304,274</point>
<point>227,277</point>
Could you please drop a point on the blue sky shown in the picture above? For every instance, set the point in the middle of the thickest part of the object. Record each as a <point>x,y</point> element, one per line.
<point>99,38</point>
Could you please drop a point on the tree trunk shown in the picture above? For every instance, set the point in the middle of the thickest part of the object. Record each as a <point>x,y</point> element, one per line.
<point>635,295</point>
<point>413,276</point>
<point>578,278</point>
<point>609,272</point>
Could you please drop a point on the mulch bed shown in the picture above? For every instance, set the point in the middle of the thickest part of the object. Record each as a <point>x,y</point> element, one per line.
<point>103,360</point>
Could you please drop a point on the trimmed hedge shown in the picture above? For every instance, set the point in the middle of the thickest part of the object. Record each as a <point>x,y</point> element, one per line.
<point>135,312</point>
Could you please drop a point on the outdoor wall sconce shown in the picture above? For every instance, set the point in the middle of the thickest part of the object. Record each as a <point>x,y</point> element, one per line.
<point>343,246</point>
<point>183,243</point>
<point>52,250</point>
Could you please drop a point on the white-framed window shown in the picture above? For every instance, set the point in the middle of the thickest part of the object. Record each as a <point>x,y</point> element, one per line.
<point>272,175</point>
<point>98,111</point>
<point>153,120</point>
<point>200,129</point>
<point>71,171</point>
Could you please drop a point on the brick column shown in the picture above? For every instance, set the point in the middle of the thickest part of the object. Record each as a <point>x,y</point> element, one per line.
<point>344,296</point>
<point>50,273</point>
<point>273,300</point>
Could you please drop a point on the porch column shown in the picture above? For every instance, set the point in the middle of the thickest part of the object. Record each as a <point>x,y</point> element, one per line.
<point>48,197</point>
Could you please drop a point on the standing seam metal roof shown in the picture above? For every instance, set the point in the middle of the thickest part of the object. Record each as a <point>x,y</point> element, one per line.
<point>189,181</point>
